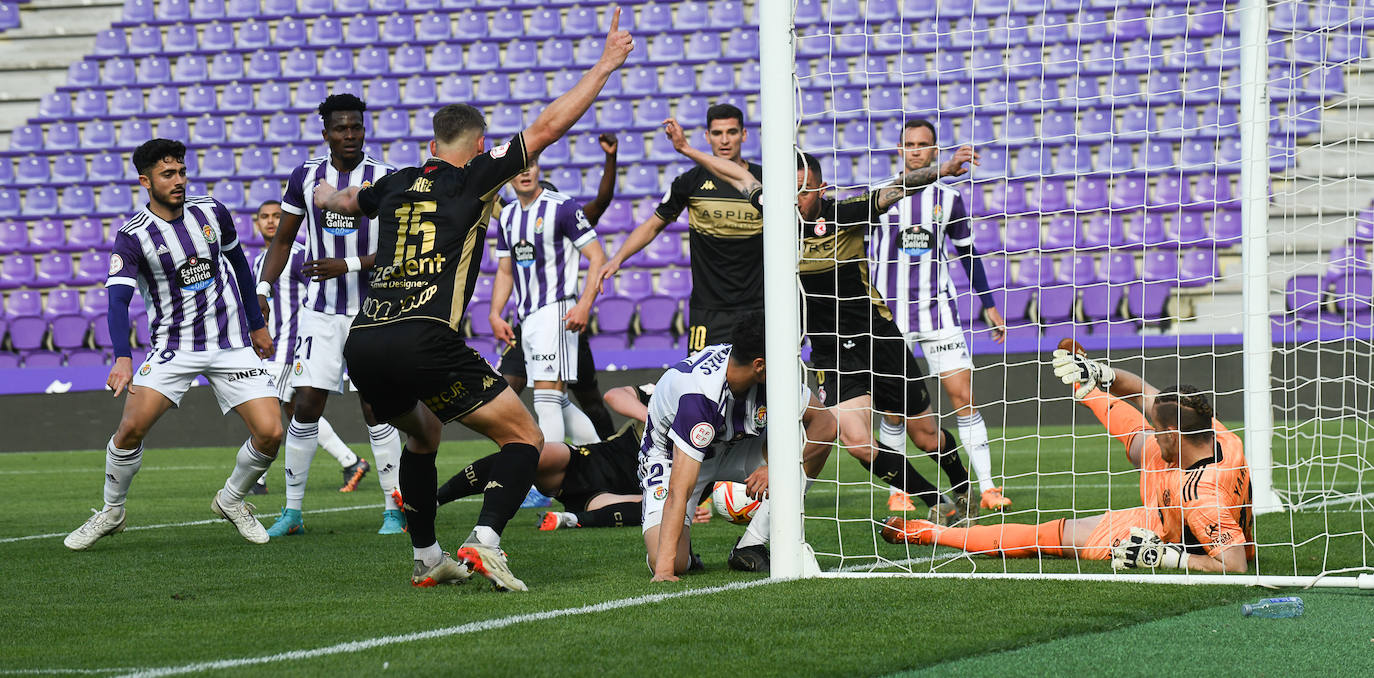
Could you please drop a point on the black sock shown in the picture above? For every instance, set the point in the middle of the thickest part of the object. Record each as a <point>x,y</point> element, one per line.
<point>893,469</point>
<point>512,474</point>
<point>612,515</point>
<point>417,479</point>
<point>466,482</point>
<point>948,457</point>
<point>595,409</point>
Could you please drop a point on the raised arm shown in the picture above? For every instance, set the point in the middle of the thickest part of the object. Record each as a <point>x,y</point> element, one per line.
<point>732,173</point>
<point>636,241</point>
<point>560,115</point>
<point>343,202</point>
<point>605,191</point>
<point>916,179</point>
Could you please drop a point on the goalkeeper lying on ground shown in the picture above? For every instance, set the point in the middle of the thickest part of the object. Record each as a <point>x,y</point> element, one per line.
<point>1194,484</point>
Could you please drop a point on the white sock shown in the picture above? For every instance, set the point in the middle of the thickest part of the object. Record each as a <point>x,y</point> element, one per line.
<point>429,555</point>
<point>974,435</point>
<point>484,535</point>
<point>757,532</point>
<point>548,407</point>
<point>386,449</point>
<point>300,451</point>
<point>249,465</point>
<point>893,436</point>
<point>120,467</point>
<point>335,446</point>
<point>578,424</point>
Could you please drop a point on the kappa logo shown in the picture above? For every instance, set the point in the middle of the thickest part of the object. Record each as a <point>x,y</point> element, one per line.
<point>487,382</point>
<point>492,484</point>
<point>702,434</point>
<point>708,185</point>
<point>849,344</point>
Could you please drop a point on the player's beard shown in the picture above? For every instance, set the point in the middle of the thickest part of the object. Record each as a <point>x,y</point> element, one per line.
<point>172,201</point>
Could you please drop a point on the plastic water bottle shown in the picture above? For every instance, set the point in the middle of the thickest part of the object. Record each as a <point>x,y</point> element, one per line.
<point>1274,608</point>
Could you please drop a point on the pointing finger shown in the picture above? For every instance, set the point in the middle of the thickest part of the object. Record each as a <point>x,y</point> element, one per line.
<point>615,20</point>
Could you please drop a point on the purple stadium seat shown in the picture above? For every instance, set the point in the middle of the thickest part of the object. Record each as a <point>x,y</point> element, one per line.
<point>63,313</point>
<point>118,71</point>
<point>1342,261</point>
<point>245,128</point>
<point>635,284</point>
<point>79,357</point>
<point>85,233</point>
<point>40,201</point>
<point>208,130</point>
<point>404,154</point>
<point>16,270</point>
<point>229,192</point>
<point>90,104</point>
<point>1191,229</point>
<point>1171,192</point>
<point>419,89</point>
<point>609,341</point>
<point>190,68</point>
<point>42,359</point>
<point>1214,192</point>
<point>1199,267</point>
<point>996,268</point>
<point>481,57</point>
<point>336,62</point>
<point>1079,270</point>
<point>665,250</point>
<point>144,40</point>
<point>238,98</point>
<point>456,87</point>
<point>69,169</point>
<point>216,37</point>
<point>299,64</point>
<point>114,199</point>
<point>1036,272</point>
<point>1047,195</point>
<point>32,170</point>
<point>741,44</point>
<point>676,283</point>
<point>1304,296</point>
<point>614,314</point>
<point>95,306</point>
<point>92,268</point>
<point>283,127</point>
<point>46,234</point>
<point>202,99</point>
<point>1008,197</point>
<point>471,25</point>
<point>1128,193</point>
<point>216,163</point>
<point>110,42</point>
<point>433,28</point>
<point>14,236</point>
<point>55,105</point>
<point>1022,234</point>
<point>261,191</point>
<point>1160,265</point>
<point>493,87</point>
<point>289,158</point>
<point>76,199</point>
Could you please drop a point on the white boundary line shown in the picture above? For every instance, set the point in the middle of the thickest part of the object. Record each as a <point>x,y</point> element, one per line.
<point>471,627</point>
<point>11,540</point>
<point>93,470</point>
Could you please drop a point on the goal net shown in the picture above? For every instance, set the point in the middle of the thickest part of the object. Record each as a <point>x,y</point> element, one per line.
<point>1181,186</point>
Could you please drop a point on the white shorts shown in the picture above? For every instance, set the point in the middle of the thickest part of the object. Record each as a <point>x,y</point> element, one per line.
<point>945,350</point>
<point>319,351</point>
<point>731,461</point>
<point>236,375</point>
<point>280,369</point>
<point>550,350</point>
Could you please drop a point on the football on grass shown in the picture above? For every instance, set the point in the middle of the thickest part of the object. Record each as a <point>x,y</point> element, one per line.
<point>730,500</point>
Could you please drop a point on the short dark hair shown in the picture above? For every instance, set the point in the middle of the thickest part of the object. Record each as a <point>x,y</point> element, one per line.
<point>724,112</point>
<point>265,203</point>
<point>547,185</point>
<point>808,162</point>
<point>455,120</point>
<point>154,151</point>
<point>917,123</point>
<point>1184,407</point>
<point>746,339</point>
<point>338,103</point>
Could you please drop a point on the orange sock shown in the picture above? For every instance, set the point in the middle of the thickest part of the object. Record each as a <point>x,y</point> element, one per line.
<point>1122,420</point>
<point>1013,540</point>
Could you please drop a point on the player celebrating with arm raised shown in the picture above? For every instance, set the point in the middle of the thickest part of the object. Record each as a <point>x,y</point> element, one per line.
<point>874,371</point>
<point>725,235</point>
<point>537,244</point>
<point>585,388</point>
<point>1194,484</point>
<point>707,421</point>
<point>287,296</point>
<point>408,357</point>
<point>341,247</point>
<point>910,270</point>
<point>183,254</point>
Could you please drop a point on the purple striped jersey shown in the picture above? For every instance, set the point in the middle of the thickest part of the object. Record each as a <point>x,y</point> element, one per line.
<point>333,235</point>
<point>909,256</point>
<point>543,241</point>
<point>692,407</point>
<point>178,267</point>
<point>287,297</point>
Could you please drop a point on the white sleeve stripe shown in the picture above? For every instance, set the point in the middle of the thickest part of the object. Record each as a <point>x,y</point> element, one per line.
<point>121,281</point>
<point>962,242</point>
<point>502,254</point>
<point>292,209</point>
<point>580,242</point>
<point>685,446</point>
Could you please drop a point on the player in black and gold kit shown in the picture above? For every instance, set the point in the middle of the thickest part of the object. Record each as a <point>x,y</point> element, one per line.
<point>404,351</point>
<point>725,236</point>
<point>859,354</point>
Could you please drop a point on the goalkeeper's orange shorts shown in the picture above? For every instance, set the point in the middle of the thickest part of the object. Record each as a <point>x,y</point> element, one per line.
<point>1114,528</point>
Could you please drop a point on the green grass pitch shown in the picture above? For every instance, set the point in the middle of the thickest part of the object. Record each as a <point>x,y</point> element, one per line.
<point>178,591</point>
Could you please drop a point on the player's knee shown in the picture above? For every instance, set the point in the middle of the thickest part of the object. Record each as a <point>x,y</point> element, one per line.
<point>130,433</point>
<point>309,405</point>
<point>268,441</point>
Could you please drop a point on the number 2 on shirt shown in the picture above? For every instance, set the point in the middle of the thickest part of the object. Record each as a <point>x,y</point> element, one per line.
<point>409,223</point>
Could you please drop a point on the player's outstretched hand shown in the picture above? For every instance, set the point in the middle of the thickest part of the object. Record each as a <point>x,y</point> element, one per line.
<point>608,271</point>
<point>609,144</point>
<point>1144,548</point>
<point>262,343</point>
<point>501,329</point>
<point>323,191</point>
<point>120,375</point>
<point>1082,372</point>
<point>577,318</point>
<point>674,132</point>
<point>957,165</point>
<point>619,44</point>
<point>664,577</point>
<point>324,269</point>
<point>997,324</point>
<point>756,486</point>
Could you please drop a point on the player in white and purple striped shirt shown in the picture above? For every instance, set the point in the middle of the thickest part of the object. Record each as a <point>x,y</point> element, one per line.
<point>537,246</point>
<point>282,322</point>
<point>910,269</point>
<point>183,255</point>
<point>340,249</point>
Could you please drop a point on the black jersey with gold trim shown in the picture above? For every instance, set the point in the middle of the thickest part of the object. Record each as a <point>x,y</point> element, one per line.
<point>840,299</point>
<point>726,239</point>
<point>433,226</point>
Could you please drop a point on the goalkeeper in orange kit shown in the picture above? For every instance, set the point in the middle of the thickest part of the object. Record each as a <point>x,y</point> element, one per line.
<point>1194,484</point>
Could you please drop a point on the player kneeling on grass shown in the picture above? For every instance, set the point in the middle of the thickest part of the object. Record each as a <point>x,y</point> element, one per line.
<point>1194,484</point>
<point>597,483</point>
<point>184,256</point>
<point>707,420</point>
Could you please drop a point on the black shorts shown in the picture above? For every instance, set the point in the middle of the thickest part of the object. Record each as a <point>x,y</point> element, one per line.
<point>512,362</point>
<point>396,365</point>
<point>709,327</point>
<point>610,466</point>
<point>877,364</point>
